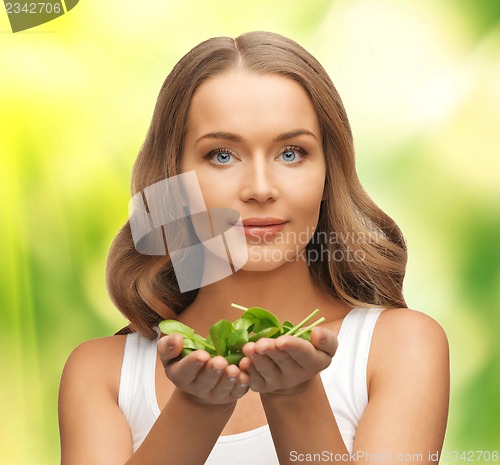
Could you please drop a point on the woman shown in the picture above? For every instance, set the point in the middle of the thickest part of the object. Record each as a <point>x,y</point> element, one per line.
<point>259,122</point>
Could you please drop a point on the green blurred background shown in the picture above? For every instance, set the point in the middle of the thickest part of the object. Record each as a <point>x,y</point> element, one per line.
<point>421,83</point>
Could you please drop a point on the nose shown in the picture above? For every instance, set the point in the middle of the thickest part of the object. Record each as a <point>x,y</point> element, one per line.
<point>259,182</point>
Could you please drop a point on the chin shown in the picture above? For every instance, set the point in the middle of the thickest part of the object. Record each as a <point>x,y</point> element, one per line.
<point>268,259</point>
<point>262,265</point>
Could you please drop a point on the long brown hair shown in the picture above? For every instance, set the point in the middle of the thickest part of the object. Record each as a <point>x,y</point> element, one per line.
<point>144,288</point>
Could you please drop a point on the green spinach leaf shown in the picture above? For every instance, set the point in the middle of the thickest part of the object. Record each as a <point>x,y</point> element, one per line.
<point>227,338</point>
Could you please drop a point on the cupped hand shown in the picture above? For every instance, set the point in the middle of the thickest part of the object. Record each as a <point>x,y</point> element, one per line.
<point>287,364</point>
<point>207,380</point>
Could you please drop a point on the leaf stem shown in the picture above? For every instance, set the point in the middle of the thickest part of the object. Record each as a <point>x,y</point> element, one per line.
<point>308,328</point>
<point>239,307</point>
<point>208,346</point>
<point>303,322</point>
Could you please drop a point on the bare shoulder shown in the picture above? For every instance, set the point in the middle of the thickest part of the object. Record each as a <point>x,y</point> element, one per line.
<point>408,383</point>
<point>405,328</point>
<point>92,426</point>
<point>98,360</point>
<point>406,340</point>
<point>114,345</point>
<point>102,350</point>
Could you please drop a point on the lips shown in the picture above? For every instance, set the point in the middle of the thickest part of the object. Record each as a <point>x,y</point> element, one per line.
<point>260,227</point>
<point>263,221</point>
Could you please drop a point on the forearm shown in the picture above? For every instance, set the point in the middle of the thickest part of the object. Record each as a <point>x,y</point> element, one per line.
<point>184,433</point>
<point>303,422</point>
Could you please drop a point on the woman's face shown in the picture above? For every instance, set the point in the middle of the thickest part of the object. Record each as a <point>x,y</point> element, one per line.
<point>255,144</point>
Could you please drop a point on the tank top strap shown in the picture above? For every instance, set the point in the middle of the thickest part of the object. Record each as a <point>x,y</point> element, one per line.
<point>345,379</point>
<point>354,340</point>
<point>137,393</point>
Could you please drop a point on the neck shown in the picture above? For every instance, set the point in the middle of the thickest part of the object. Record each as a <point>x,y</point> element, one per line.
<point>287,291</point>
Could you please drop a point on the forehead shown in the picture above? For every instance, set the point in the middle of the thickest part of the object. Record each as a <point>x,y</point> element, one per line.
<point>247,103</point>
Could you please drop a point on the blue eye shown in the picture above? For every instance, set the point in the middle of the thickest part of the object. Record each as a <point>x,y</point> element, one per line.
<point>293,155</point>
<point>289,155</point>
<point>219,157</point>
<point>223,157</point>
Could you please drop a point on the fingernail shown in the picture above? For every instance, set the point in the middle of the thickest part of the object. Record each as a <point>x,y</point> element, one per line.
<point>261,350</point>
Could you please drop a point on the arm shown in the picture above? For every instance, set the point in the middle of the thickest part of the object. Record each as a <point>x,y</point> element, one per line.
<point>408,397</point>
<point>92,427</point>
<point>409,393</point>
<point>94,430</point>
<point>199,408</point>
<point>286,373</point>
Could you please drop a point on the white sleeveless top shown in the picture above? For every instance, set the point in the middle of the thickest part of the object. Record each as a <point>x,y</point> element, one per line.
<point>344,381</point>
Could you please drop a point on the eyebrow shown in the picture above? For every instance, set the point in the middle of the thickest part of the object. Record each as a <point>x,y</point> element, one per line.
<point>236,138</point>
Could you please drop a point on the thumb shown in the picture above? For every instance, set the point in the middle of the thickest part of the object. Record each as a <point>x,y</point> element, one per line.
<point>170,347</point>
<point>324,340</point>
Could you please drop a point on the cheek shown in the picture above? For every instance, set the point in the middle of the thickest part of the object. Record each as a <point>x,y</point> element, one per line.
<point>307,198</point>
<point>217,194</point>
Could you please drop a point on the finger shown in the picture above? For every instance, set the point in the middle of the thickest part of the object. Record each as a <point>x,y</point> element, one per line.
<point>301,351</point>
<point>170,347</point>
<point>212,372</point>
<point>244,363</point>
<point>227,381</point>
<point>262,360</point>
<point>248,349</point>
<point>324,340</point>
<point>241,386</point>
<point>186,370</point>
<point>265,366</point>
<point>282,360</point>
<point>257,382</point>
